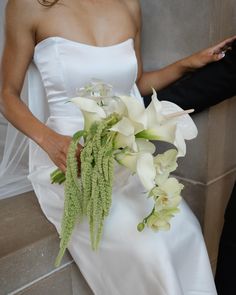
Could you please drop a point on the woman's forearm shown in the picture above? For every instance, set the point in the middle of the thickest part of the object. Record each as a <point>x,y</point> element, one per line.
<point>19,115</point>
<point>161,78</point>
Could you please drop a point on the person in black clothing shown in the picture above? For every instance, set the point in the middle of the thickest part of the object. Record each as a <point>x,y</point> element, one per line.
<point>200,90</point>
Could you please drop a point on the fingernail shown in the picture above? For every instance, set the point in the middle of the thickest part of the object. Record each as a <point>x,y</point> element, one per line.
<point>222,54</point>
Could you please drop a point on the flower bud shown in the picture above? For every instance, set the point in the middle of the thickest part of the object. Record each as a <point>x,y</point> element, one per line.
<point>140,226</point>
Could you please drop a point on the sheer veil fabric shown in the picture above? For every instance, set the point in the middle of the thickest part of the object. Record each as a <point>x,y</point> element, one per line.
<point>14,146</point>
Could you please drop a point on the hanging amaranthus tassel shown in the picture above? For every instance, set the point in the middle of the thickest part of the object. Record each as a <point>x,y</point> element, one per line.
<point>91,194</point>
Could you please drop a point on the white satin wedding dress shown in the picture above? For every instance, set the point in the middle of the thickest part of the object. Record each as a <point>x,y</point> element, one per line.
<point>128,262</point>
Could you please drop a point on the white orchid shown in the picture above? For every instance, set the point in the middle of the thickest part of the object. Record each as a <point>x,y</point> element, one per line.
<point>161,220</point>
<point>158,222</point>
<point>167,199</point>
<point>167,194</point>
<point>166,162</point>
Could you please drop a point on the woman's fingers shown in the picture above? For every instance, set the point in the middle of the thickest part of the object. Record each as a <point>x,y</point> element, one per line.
<point>62,154</point>
<point>223,46</point>
<point>62,167</point>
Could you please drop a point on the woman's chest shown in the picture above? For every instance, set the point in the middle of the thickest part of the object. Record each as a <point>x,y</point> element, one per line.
<point>97,23</point>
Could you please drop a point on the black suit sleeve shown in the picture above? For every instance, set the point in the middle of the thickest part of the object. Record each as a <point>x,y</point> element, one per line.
<point>204,87</point>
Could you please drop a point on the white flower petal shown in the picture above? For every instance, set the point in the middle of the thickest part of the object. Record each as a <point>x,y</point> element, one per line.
<point>172,187</point>
<point>122,141</point>
<point>88,105</point>
<point>136,112</point>
<point>153,112</point>
<point>166,161</point>
<point>180,143</point>
<point>184,122</point>
<point>163,133</point>
<point>128,160</point>
<point>124,126</point>
<point>145,146</point>
<point>146,170</point>
<point>113,105</point>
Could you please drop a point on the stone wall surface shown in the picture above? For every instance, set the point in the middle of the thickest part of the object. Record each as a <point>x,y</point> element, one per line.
<point>171,30</point>
<point>2,120</point>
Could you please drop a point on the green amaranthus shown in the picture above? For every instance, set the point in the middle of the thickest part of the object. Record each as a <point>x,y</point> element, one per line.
<point>90,194</point>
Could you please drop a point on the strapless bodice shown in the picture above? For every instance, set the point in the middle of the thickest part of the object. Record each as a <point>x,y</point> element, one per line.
<point>66,65</point>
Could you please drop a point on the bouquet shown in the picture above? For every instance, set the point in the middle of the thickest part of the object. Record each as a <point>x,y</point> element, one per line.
<point>120,129</point>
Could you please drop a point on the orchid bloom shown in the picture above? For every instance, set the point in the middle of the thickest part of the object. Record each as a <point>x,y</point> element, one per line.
<point>161,220</point>
<point>167,194</point>
<point>158,222</point>
<point>167,199</point>
<point>165,164</point>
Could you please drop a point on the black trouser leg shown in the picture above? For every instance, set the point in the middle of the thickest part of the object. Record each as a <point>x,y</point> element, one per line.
<point>226,266</point>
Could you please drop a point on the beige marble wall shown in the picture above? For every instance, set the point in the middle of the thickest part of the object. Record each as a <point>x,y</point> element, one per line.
<point>171,30</point>
<point>2,120</point>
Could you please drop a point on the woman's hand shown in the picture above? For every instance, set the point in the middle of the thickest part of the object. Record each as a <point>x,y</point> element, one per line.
<point>206,56</point>
<point>57,147</point>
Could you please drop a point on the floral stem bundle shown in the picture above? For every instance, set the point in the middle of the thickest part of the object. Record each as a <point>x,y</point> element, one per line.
<point>91,194</point>
<point>119,128</point>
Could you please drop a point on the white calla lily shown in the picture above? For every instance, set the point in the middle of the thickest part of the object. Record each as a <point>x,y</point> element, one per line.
<point>140,163</point>
<point>125,136</point>
<point>180,143</point>
<point>165,111</point>
<point>184,122</point>
<point>91,110</point>
<point>128,160</point>
<point>154,112</point>
<point>146,170</point>
<point>168,122</point>
<point>123,141</point>
<point>124,126</point>
<point>145,146</point>
<point>113,105</point>
<point>135,112</point>
<point>163,133</point>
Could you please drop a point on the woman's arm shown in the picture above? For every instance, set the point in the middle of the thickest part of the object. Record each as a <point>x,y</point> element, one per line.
<point>161,78</point>
<point>20,28</point>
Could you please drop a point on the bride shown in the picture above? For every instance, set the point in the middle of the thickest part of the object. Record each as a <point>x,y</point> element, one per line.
<point>71,42</point>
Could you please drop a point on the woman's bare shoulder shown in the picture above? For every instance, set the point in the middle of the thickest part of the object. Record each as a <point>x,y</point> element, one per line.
<point>135,9</point>
<point>23,11</point>
<point>133,5</point>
